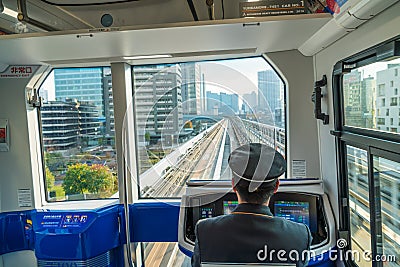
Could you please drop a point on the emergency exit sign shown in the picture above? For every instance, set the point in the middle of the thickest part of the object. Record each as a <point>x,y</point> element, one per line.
<point>272,8</point>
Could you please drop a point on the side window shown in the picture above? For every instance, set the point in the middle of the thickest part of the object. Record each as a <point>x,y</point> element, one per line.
<point>360,227</point>
<point>78,137</point>
<point>191,115</point>
<point>370,97</point>
<point>367,125</point>
<point>387,173</point>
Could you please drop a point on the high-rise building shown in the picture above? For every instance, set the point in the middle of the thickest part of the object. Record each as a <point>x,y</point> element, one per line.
<point>352,87</point>
<point>109,127</point>
<point>44,94</point>
<point>203,96</point>
<point>69,125</point>
<point>158,101</point>
<point>213,102</point>
<point>368,103</point>
<point>191,88</point>
<point>235,103</point>
<point>227,104</point>
<point>83,84</point>
<point>268,90</point>
<point>250,102</point>
<point>388,98</point>
<point>270,95</point>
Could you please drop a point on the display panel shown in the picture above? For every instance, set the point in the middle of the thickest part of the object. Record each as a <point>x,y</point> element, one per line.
<point>297,207</point>
<point>301,208</point>
<point>293,210</point>
<point>229,206</point>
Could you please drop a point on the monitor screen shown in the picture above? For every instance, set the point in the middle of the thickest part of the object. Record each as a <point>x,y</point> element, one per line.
<point>229,206</point>
<point>295,211</point>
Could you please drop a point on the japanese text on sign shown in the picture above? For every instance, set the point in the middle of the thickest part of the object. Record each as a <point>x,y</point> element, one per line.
<point>18,72</point>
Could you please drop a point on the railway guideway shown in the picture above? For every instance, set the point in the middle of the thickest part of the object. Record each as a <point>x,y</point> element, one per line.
<point>173,181</point>
<point>197,163</point>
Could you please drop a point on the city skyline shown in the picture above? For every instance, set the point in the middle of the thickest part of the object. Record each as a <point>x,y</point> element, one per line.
<point>218,76</point>
<point>166,92</point>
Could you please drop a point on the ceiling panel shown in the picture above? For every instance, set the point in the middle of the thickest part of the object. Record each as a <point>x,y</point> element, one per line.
<point>269,35</point>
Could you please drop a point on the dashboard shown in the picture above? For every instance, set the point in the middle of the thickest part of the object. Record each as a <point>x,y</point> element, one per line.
<point>297,207</point>
<point>301,202</point>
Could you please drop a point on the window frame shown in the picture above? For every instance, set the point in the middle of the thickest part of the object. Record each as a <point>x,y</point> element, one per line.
<point>375,142</point>
<point>91,203</point>
<point>285,96</point>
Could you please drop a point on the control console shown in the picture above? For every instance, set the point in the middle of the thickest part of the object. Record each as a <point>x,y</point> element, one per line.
<point>302,201</point>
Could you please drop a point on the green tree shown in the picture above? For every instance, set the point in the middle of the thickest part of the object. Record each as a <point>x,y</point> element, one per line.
<point>81,178</point>
<point>76,179</point>
<point>54,161</point>
<point>49,179</point>
<point>101,179</point>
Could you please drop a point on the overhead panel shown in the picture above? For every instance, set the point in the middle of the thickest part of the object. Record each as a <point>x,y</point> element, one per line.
<point>86,2</point>
<point>262,35</point>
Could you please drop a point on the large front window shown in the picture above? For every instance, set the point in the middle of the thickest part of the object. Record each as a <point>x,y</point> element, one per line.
<point>190,116</point>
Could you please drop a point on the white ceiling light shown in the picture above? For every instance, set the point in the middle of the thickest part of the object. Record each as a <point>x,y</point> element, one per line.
<point>147,57</point>
<point>10,12</point>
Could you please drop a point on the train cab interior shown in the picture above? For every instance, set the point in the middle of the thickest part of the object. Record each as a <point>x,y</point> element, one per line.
<point>117,118</point>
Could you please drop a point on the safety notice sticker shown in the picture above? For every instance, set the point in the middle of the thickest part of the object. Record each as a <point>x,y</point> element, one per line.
<point>24,198</point>
<point>299,168</point>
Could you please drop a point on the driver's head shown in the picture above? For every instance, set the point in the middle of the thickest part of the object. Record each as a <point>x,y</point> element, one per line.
<point>255,172</point>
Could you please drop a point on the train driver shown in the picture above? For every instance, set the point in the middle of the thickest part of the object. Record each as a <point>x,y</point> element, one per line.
<point>251,234</point>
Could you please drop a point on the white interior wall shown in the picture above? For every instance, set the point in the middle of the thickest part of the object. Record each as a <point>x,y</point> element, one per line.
<point>15,165</point>
<point>382,27</point>
<point>302,135</point>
